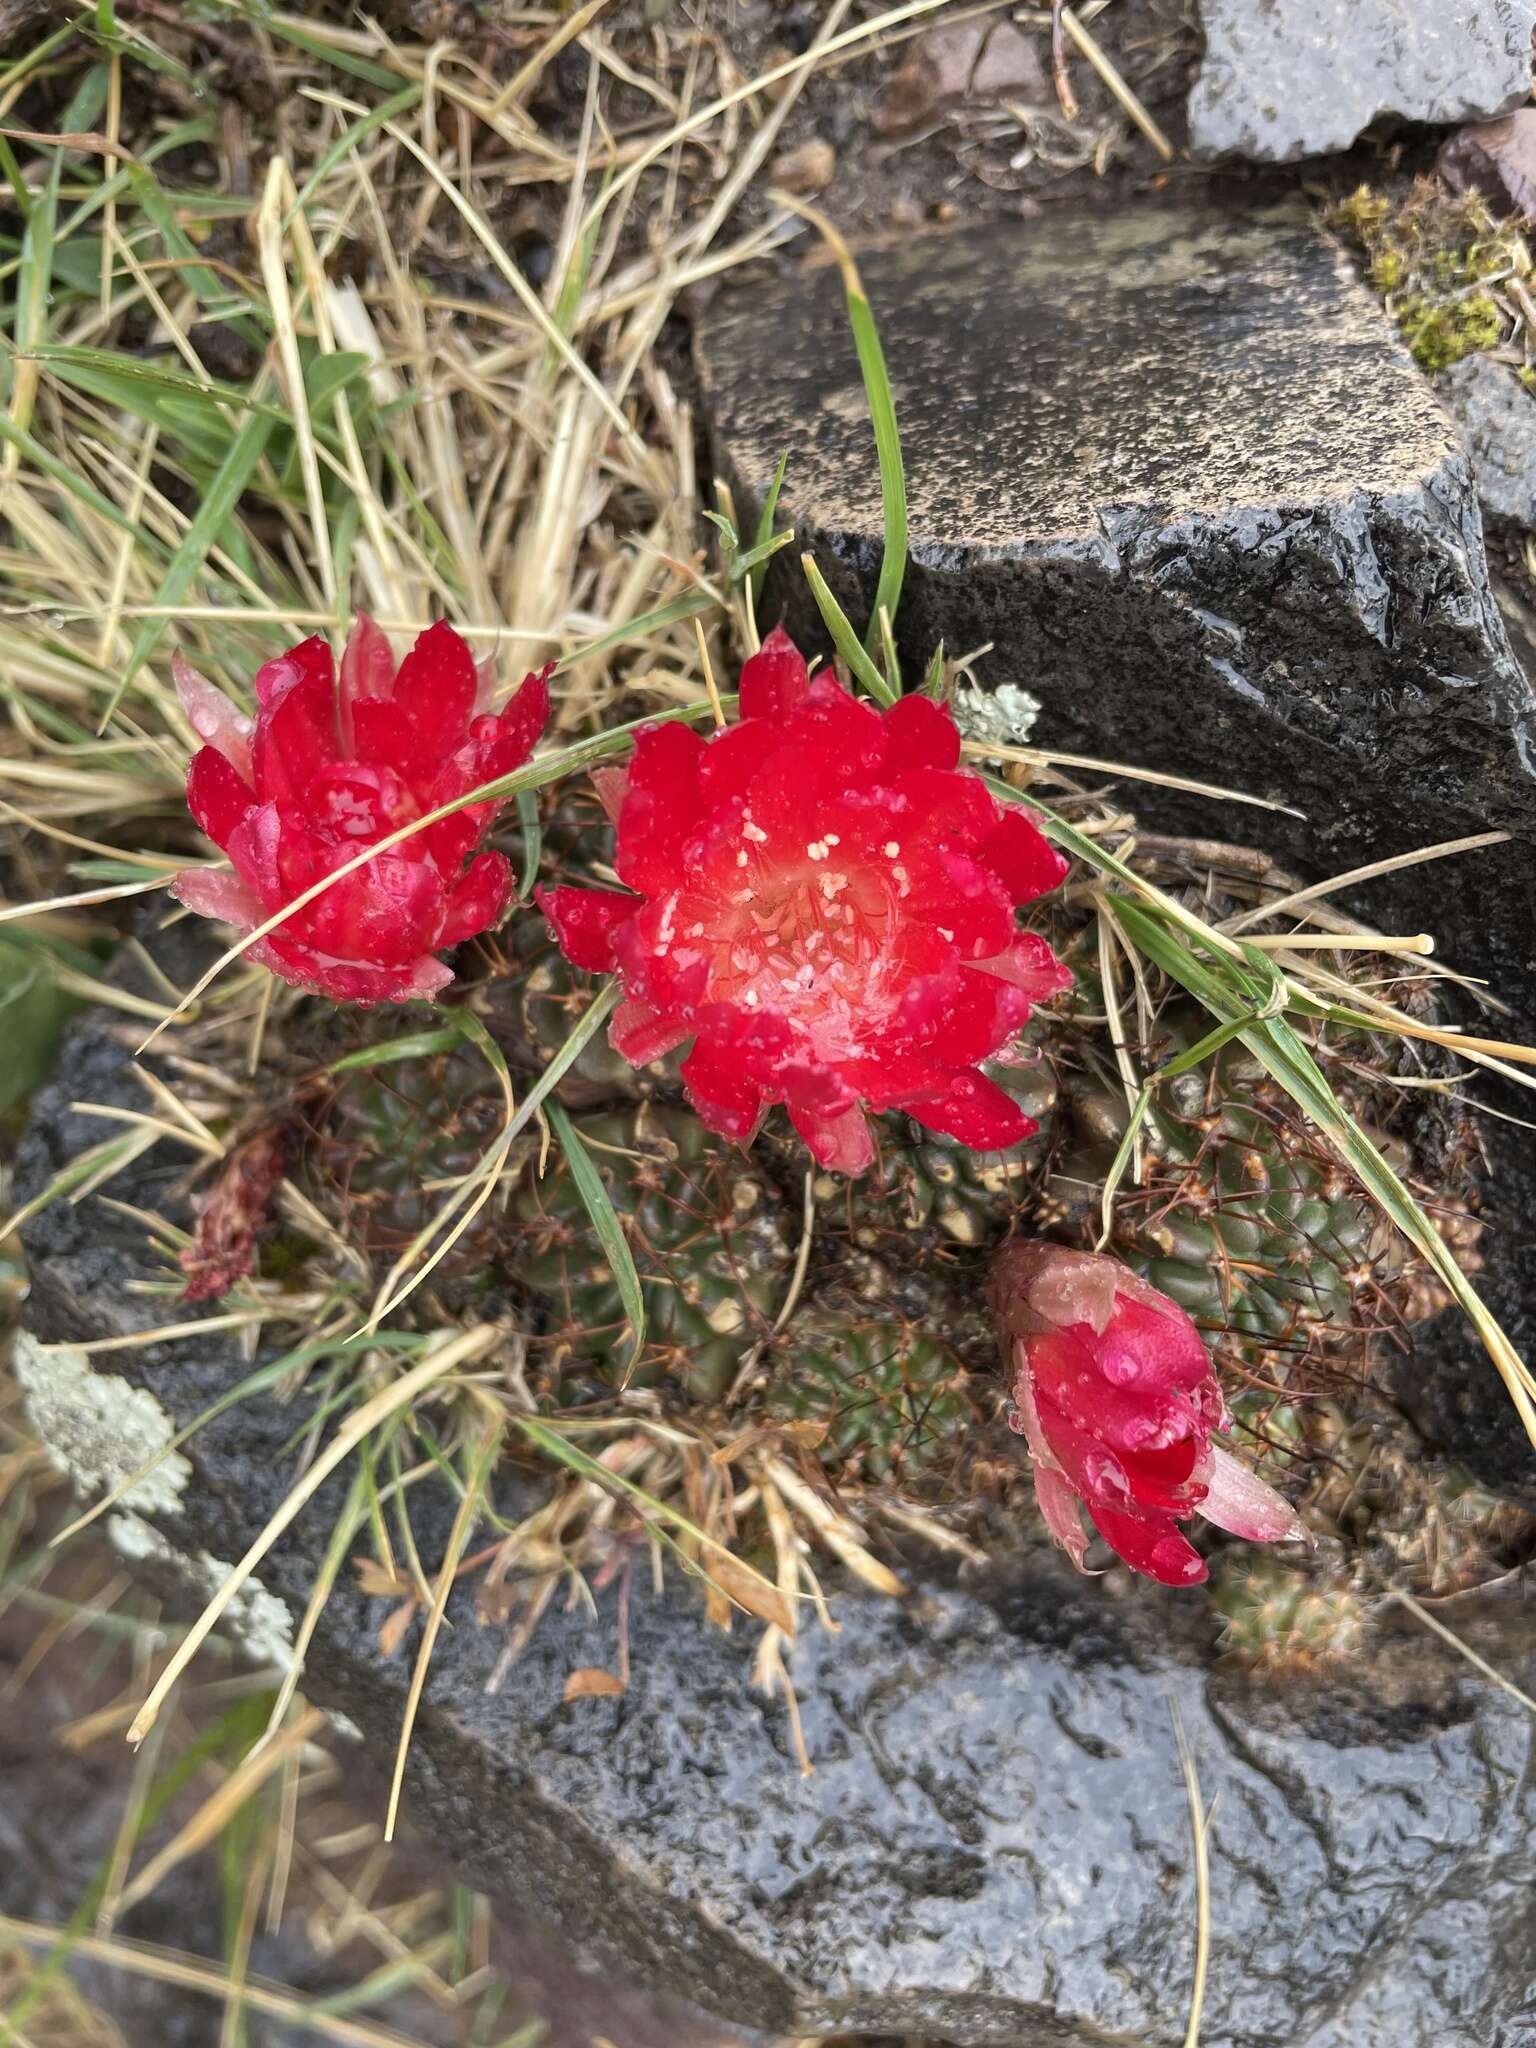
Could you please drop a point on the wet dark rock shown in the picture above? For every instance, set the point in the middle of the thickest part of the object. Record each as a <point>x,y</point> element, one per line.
<point>1285,79</point>
<point>1497,415</point>
<point>1178,470</point>
<point>995,1845</point>
<point>1497,159</point>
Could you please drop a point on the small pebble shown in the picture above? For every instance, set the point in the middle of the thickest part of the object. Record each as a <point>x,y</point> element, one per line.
<point>810,168</point>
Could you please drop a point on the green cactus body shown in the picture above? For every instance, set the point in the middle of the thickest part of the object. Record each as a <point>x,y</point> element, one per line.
<point>1282,1618</point>
<point>1247,1224</point>
<point>934,1189</point>
<point>1242,1216</point>
<point>393,1139</point>
<point>707,1236</point>
<point>888,1399</point>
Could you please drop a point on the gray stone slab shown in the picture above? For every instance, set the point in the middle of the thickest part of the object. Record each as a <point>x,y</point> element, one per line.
<point>1285,79</point>
<point>1497,416</point>
<point>994,1848</point>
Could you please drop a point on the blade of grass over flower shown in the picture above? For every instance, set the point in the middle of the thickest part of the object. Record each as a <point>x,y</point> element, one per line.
<point>533,843</point>
<point>607,1228</point>
<point>399,1394</point>
<point>542,770</point>
<point>844,639</point>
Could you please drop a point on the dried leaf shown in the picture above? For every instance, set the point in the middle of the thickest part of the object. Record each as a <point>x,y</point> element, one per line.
<point>392,1633</point>
<point>749,1589</point>
<point>592,1682</point>
<point>377,1582</point>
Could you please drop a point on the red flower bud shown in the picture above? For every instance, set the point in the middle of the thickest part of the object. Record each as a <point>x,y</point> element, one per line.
<point>331,766</point>
<point>1114,1392</point>
<point>224,1242</point>
<point>824,903</point>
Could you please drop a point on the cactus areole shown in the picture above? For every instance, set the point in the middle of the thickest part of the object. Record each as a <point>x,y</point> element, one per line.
<point>825,903</point>
<point>1115,1395</point>
<point>331,765</point>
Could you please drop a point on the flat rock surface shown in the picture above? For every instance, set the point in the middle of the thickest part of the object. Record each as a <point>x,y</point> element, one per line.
<point>995,1845</point>
<point>1285,79</point>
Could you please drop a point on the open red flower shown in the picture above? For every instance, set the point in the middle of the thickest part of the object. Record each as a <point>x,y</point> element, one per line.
<point>825,904</point>
<point>1114,1393</point>
<point>331,765</point>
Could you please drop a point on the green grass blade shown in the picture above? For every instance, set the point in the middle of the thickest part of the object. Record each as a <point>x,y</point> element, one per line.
<point>398,103</point>
<point>598,1204</point>
<point>882,418</point>
<point>415,1045</point>
<point>205,285</point>
<point>44,459</point>
<point>844,639</point>
<point>765,1599</point>
<point>218,502</point>
<point>893,480</point>
<point>533,842</point>
<point>670,614</point>
<point>758,559</point>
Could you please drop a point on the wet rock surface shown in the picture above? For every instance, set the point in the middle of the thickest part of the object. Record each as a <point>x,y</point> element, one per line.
<point>1497,415</point>
<point>995,1845</point>
<point>1306,77</point>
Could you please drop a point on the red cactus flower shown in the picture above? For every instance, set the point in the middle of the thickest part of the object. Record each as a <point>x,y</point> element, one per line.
<point>824,903</point>
<point>330,766</point>
<point>1114,1393</point>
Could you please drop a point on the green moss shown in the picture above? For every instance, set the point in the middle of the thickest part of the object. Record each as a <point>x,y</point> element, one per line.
<point>1426,250</point>
<point>1440,335</point>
